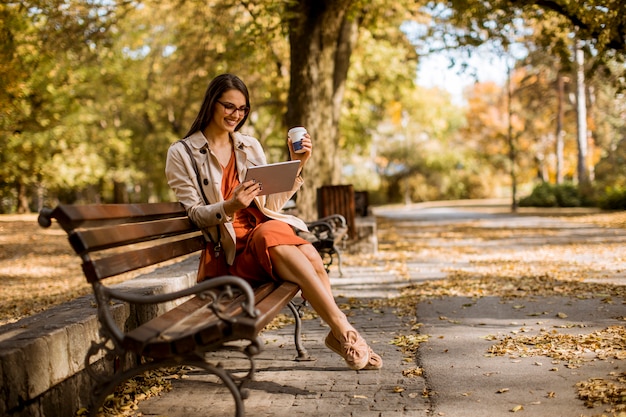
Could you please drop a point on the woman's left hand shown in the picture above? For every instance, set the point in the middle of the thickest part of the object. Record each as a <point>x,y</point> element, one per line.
<point>307,145</point>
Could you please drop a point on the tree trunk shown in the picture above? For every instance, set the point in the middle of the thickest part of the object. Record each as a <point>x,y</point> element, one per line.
<point>322,38</point>
<point>560,133</point>
<point>511,141</point>
<point>581,115</point>
<point>22,199</point>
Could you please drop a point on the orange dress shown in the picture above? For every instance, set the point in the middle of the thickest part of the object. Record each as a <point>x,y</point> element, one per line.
<point>255,234</point>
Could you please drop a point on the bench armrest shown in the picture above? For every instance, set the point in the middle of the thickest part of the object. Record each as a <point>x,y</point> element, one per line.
<point>105,294</point>
<point>321,229</point>
<point>331,228</point>
<point>337,221</point>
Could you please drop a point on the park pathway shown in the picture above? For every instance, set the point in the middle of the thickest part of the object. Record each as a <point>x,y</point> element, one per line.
<point>482,279</point>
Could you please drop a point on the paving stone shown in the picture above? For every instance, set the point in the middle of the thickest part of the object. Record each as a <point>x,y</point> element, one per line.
<point>324,387</point>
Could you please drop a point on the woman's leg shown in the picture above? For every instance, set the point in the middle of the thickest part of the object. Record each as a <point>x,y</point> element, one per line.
<point>299,265</point>
<point>314,257</point>
<point>293,265</point>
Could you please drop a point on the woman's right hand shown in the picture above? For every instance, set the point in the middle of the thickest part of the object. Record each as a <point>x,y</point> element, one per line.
<point>242,196</point>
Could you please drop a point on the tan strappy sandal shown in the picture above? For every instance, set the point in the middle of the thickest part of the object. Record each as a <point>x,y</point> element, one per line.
<point>353,349</point>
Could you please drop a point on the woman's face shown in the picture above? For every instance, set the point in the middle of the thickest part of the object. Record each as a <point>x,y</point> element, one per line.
<point>230,109</point>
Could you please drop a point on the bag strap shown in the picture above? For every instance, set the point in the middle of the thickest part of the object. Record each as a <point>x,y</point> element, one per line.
<point>217,244</point>
<point>195,169</point>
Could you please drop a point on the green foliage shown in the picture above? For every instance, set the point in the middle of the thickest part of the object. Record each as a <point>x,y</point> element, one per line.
<point>382,72</point>
<point>93,93</point>
<point>467,23</point>
<point>610,171</point>
<point>40,92</point>
<point>89,116</point>
<point>549,195</point>
<point>614,198</point>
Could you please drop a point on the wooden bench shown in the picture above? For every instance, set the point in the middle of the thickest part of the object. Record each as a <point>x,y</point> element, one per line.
<point>112,239</point>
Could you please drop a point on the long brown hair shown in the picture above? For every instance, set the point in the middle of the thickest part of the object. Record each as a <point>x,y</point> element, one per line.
<point>218,86</point>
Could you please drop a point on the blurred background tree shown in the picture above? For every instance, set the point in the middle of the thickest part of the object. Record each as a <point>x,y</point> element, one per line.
<point>93,92</point>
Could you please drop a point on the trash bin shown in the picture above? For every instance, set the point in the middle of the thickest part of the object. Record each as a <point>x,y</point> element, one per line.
<point>338,199</point>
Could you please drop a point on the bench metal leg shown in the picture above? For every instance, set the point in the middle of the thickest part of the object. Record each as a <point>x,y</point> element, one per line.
<point>338,260</point>
<point>303,355</point>
<point>327,258</point>
<point>101,391</point>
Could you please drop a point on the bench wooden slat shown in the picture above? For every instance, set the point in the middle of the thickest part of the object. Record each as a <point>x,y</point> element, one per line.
<point>138,338</point>
<point>98,269</point>
<point>207,336</point>
<point>73,216</point>
<point>144,334</point>
<point>125,234</point>
<point>167,347</point>
<point>233,309</point>
<point>192,324</point>
<point>271,305</point>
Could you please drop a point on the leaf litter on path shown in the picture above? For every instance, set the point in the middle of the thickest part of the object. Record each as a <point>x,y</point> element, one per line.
<point>547,265</point>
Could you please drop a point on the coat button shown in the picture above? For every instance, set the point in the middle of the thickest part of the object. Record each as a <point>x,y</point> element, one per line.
<point>203,151</point>
<point>206,182</point>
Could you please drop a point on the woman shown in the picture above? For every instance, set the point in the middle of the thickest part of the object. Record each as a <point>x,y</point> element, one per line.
<point>258,241</point>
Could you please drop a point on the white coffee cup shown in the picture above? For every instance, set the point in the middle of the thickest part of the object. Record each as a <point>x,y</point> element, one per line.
<point>295,135</point>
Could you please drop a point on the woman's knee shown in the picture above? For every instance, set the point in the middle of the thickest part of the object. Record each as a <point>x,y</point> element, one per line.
<point>310,252</point>
<point>313,256</point>
<point>280,252</point>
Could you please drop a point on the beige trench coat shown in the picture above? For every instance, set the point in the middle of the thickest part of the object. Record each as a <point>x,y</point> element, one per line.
<point>181,177</point>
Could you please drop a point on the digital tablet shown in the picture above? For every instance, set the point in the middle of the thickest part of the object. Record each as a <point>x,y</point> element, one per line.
<point>275,178</point>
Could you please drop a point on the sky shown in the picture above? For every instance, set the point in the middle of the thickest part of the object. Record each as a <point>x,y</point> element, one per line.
<point>434,71</point>
<point>486,63</point>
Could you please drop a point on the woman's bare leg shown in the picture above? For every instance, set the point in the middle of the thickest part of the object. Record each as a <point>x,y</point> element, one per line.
<point>298,264</point>
<point>314,257</point>
<point>293,265</point>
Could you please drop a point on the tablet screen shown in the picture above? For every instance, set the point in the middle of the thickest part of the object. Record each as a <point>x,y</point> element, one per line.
<point>275,178</point>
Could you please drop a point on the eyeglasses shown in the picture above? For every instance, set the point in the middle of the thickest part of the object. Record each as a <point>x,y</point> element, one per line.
<point>230,108</point>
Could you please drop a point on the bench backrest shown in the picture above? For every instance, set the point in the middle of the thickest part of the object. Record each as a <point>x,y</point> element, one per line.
<point>111,239</point>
